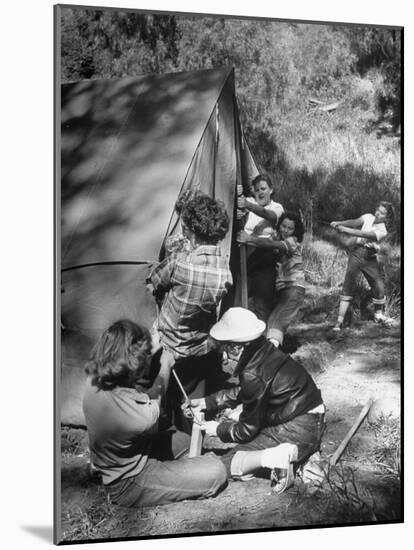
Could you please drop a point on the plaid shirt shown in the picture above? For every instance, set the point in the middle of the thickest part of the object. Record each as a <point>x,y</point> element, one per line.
<point>191,286</point>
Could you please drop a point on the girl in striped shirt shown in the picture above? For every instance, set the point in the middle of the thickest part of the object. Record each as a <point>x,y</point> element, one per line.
<point>290,277</point>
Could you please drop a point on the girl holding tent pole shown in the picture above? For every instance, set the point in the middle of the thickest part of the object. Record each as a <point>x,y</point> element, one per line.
<point>189,286</point>
<point>286,249</point>
<point>263,214</point>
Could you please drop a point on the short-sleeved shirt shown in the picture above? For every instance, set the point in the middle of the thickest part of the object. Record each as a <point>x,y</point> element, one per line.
<point>119,423</point>
<point>257,224</point>
<point>192,287</point>
<point>369,225</point>
<point>290,265</point>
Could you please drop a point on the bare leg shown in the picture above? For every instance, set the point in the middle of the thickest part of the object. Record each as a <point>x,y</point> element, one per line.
<point>343,308</point>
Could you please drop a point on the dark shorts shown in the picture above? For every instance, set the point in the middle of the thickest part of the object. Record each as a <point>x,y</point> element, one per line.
<point>363,260</point>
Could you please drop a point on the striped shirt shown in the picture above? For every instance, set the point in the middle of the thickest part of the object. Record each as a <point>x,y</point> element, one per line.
<point>192,286</point>
<point>290,265</point>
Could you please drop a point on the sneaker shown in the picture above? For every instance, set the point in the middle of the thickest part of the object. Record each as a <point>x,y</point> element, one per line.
<point>338,327</point>
<point>281,478</point>
<point>382,319</point>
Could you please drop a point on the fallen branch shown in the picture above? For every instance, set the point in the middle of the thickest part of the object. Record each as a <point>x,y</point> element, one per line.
<point>330,107</point>
<point>321,106</point>
<point>337,454</point>
<point>315,101</point>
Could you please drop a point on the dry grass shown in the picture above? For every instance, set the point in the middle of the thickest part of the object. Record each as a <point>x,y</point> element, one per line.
<point>87,524</point>
<point>73,441</point>
<point>387,451</point>
<point>324,263</point>
<point>341,498</point>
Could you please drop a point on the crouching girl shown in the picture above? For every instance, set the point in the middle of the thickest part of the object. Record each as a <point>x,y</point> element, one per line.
<point>282,417</point>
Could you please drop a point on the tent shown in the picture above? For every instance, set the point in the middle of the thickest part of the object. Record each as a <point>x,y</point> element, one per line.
<point>128,148</point>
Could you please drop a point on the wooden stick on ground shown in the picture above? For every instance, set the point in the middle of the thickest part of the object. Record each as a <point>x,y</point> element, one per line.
<point>338,453</point>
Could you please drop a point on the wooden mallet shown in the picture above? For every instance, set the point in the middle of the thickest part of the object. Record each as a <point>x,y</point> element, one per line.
<point>338,453</point>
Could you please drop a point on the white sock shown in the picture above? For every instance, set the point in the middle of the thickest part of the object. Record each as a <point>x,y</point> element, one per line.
<point>280,456</point>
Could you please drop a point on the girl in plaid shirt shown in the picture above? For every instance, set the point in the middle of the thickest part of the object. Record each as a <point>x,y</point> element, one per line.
<point>190,285</point>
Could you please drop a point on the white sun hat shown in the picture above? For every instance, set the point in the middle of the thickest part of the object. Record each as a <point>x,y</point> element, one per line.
<point>237,325</point>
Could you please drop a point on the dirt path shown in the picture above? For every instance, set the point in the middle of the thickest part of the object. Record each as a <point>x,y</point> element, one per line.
<point>349,368</point>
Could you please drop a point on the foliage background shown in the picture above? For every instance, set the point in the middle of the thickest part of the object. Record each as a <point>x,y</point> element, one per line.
<point>331,164</point>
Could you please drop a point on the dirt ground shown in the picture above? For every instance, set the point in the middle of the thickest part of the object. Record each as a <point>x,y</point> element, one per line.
<point>349,368</point>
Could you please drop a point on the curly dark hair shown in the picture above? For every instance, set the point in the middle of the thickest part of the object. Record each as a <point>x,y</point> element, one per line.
<point>183,199</point>
<point>206,218</point>
<point>294,217</point>
<point>121,356</point>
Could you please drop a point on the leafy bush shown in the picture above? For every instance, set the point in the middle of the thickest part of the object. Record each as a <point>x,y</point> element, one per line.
<point>326,163</point>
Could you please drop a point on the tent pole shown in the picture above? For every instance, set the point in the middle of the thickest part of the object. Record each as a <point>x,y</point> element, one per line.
<point>243,273</point>
<point>239,183</point>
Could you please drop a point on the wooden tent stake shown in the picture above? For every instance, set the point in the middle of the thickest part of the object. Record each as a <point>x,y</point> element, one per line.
<point>338,453</point>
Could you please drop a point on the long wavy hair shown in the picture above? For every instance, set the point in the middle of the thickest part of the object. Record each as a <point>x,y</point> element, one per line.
<point>296,219</point>
<point>121,356</point>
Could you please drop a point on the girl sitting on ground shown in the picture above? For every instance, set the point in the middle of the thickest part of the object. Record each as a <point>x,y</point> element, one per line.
<point>370,230</point>
<point>290,276</point>
<point>140,465</point>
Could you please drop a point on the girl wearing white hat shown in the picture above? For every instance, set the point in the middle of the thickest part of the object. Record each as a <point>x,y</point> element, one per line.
<point>282,416</point>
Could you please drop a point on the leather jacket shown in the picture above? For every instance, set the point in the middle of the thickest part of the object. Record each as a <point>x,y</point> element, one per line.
<point>273,388</point>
